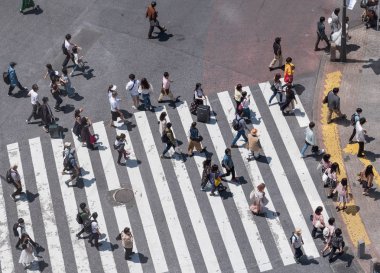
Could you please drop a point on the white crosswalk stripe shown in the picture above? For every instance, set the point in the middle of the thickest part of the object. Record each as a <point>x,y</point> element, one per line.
<point>207,243</point>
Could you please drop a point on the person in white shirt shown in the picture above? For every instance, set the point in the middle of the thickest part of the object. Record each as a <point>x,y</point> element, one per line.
<point>360,136</point>
<point>66,49</point>
<point>110,90</point>
<point>133,88</point>
<point>34,101</point>
<point>310,141</point>
<point>66,82</point>
<point>115,109</point>
<point>165,90</point>
<point>297,243</point>
<point>78,60</point>
<point>244,106</point>
<point>146,89</point>
<point>95,233</point>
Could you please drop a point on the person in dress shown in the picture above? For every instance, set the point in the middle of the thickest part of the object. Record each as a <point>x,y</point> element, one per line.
<point>27,255</point>
<point>258,200</point>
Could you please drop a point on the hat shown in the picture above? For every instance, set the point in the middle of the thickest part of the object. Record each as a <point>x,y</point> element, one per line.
<point>298,231</point>
<point>67,144</point>
<point>254,131</point>
<point>113,88</point>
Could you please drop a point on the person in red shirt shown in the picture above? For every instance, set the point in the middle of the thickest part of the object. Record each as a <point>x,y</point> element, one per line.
<point>151,14</point>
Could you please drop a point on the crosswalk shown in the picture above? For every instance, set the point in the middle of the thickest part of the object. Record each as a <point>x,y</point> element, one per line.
<point>176,227</point>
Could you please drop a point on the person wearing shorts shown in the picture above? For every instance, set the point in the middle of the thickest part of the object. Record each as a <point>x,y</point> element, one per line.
<point>133,88</point>
<point>115,110</point>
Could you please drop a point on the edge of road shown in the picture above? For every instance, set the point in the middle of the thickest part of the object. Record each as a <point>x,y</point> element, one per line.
<point>332,74</point>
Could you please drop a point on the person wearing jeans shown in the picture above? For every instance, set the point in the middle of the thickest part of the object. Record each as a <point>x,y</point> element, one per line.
<point>146,89</point>
<point>13,79</point>
<point>310,140</point>
<point>241,130</point>
<point>34,101</point>
<point>228,164</point>
<point>170,140</point>
<point>276,88</point>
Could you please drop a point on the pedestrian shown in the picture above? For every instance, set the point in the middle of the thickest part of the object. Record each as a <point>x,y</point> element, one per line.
<point>27,4</point>
<point>206,173</point>
<point>151,14</point>
<point>168,139</point>
<point>258,200</point>
<point>133,87</point>
<point>146,89</point>
<point>240,126</point>
<point>228,164</point>
<point>27,255</point>
<point>318,221</point>
<point>95,233</point>
<point>110,89</point>
<point>77,128</point>
<point>276,87</point>
<point>47,117</point>
<point>332,178</point>
<point>51,73</point>
<point>22,234</point>
<point>333,104</point>
<point>67,50</point>
<point>215,180</point>
<point>15,179</point>
<point>78,60</point>
<point>335,22</point>
<point>195,140</point>
<point>354,119</point>
<point>69,161</point>
<point>325,163</point>
<point>244,106</point>
<point>366,178</point>
<point>277,53</point>
<point>290,99</point>
<point>360,136</point>
<point>297,243</point>
<point>165,89</point>
<point>56,92</point>
<point>13,80</point>
<point>254,145</point>
<point>198,99</point>
<point>289,71</point>
<point>162,122</point>
<point>85,216</point>
<point>66,83</point>
<point>321,35</point>
<point>115,109</point>
<point>342,191</point>
<point>119,146</point>
<point>35,103</point>
<point>337,243</point>
<point>310,141</point>
<point>89,140</point>
<point>238,95</point>
<point>328,232</point>
<point>127,242</point>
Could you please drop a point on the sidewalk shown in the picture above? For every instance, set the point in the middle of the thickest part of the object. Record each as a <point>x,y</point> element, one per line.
<point>359,82</point>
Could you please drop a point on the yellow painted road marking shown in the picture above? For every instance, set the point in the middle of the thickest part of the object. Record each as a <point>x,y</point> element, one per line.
<point>331,140</point>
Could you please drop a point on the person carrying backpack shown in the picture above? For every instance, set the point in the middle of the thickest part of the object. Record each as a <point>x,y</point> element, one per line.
<point>83,218</point>
<point>228,164</point>
<point>354,119</point>
<point>195,140</point>
<point>239,125</point>
<point>297,242</point>
<point>13,177</point>
<point>215,180</point>
<point>119,146</point>
<point>168,139</point>
<point>337,243</point>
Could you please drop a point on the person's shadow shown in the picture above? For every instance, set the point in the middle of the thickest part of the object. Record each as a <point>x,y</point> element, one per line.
<point>36,11</point>
<point>163,36</point>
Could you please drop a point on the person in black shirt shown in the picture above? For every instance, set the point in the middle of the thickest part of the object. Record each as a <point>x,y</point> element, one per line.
<point>277,54</point>
<point>321,35</point>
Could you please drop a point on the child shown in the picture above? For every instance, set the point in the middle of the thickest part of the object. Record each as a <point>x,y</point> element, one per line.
<point>78,61</point>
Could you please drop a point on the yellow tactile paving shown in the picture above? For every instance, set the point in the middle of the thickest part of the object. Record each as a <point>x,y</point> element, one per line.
<point>331,140</point>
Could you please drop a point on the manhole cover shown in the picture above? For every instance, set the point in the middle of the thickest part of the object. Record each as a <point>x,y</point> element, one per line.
<point>123,196</point>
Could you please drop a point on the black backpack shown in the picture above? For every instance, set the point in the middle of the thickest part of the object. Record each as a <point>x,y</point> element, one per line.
<point>79,218</point>
<point>6,78</point>
<point>15,232</point>
<point>353,119</point>
<point>164,138</point>
<point>236,124</point>
<point>9,177</point>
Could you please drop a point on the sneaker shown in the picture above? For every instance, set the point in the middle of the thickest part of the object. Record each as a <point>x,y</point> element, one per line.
<point>203,189</point>
<point>27,121</point>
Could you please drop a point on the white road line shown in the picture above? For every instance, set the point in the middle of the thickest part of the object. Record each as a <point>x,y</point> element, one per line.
<point>294,153</point>
<point>163,190</point>
<point>195,213</point>
<point>217,206</point>
<point>22,204</point>
<point>279,236</point>
<point>47,210</point>
<point>299,112</point>
<point>113,183</point>
<point>149,226</point>
<point>71,209</point>
<point>94,205</point>
<point>6,262</point>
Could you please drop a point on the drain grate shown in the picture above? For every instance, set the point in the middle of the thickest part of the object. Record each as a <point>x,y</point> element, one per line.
<point>123,196</point>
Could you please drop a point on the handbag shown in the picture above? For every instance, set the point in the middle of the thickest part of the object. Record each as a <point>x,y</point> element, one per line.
<point>217,181</point>
<point>92,139</point>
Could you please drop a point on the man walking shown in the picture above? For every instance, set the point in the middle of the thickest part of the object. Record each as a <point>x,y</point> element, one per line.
<point>85,217</point>
<point>337,243</point>
<point>13,79</point>
<point>195,140</point>
<point>133,88</point>
<point>67,47</point>
<point>297,243</point>
<point>115,110</point>
<point>151,14</point>
<point>310,141</point>
<point>354,119</point>
<point>15,179</point>
<point>228,164</point>
<point>360,136</point>
<point>35,103</point>
<point>277,53</point>
<point>165,90</point>
<point>333,104</point>
<point>321,35</point>
<point>240,126</point>
<point>95,233</point>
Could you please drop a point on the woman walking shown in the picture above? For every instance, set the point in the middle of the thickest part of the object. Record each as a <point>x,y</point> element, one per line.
<point>289,71</point>
<point>88,139</point>
<point>318,221</point>
<point>325,163</point>
<point>238,95</point>
<point>244,106</point>
<point>216,180</point>
<point>206,173</point>
<point>66,82</point>
<point>276,87</point>
<point>127,242</point>
<point>332,178</point>
<point>27,256</point>
<point>366,179</point>
<point>342,194</point>
<point>162,122</point>
<point>198,98</point>
<point>290,100</point>
<point>119,146</point>
<point>47,117</point>
<point>328,232</point>
<point>146,89</point>
<point>168,139</point>
<point>258,199</point>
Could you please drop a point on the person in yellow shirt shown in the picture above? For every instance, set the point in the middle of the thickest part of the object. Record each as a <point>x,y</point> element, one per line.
<point>289,71</point>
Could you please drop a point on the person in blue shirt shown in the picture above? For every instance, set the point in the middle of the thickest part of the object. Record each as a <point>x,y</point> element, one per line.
<point>228,164</point>
<point>13,79</point>
<point>356,117</point>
